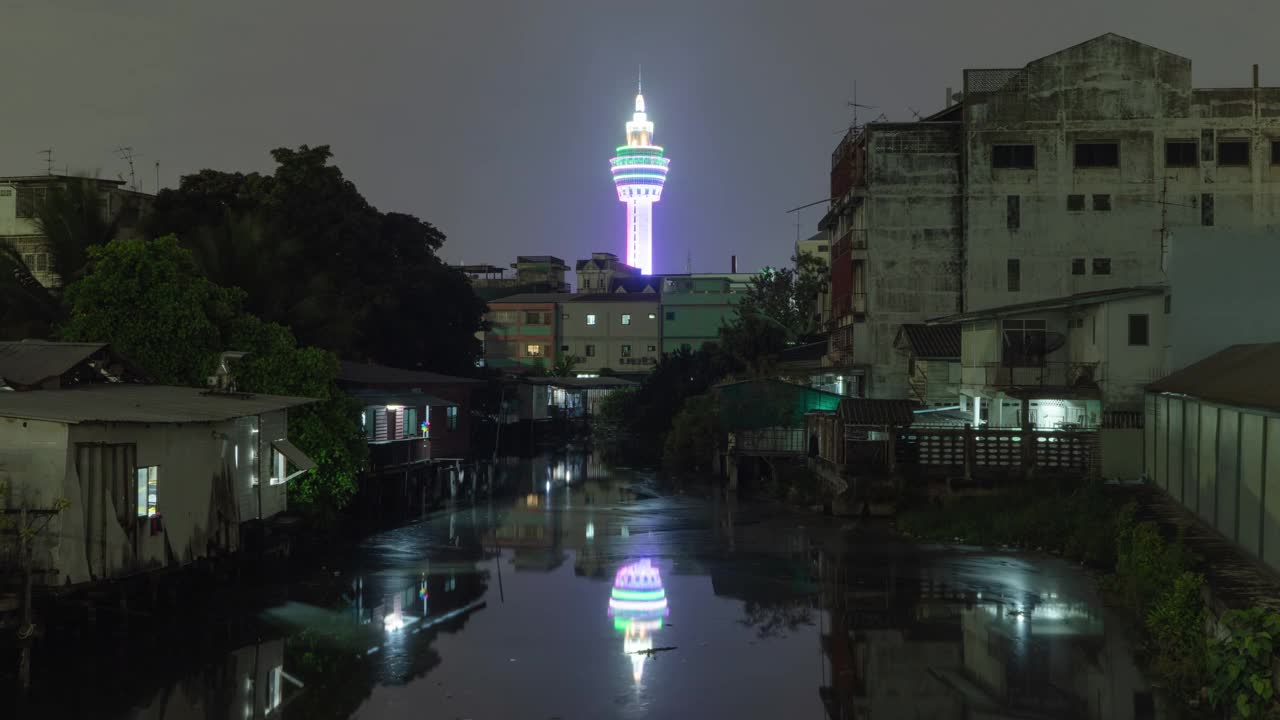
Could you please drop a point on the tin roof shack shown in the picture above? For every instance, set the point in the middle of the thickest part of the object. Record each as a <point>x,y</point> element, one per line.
<point>43,365</point>
<point>156,476</point>
<point>766,416</point>
<point>580,397</point>
<point>442,402</point>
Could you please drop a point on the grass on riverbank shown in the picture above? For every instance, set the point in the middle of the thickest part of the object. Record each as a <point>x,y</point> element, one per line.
<point>1079,523</point>
<point>1225,664</point>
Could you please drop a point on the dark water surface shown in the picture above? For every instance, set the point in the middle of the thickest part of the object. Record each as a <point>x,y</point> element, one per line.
<point>579,592</point>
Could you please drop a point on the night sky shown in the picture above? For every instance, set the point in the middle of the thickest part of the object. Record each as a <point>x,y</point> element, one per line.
<point>495,120</point>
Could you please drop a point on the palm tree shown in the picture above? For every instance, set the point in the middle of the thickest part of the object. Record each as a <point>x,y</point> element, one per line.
<point>72,219</point>
<point>565,365</point>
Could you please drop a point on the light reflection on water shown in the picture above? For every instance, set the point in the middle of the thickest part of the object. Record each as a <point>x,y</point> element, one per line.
<point>559,602</point>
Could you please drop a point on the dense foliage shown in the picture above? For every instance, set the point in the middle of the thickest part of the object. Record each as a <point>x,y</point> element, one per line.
<point>313,254</point>
<point>150,301</point>
<point>695,435</point>
<point>780,308</point>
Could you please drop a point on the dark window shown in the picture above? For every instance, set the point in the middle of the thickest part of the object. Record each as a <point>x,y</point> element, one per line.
<point>564,348</point>
<point>652,348</point>
<point>1097,155</point>
<point>30,200</point>
<point>1233,152</point>
<point>823,248</point>
<point>1138,330</point>
<point>686,347</point>
<point>1102,266</point>
<point>1013,156</point>
<point>1180,153</point>
<point>1013,212</point>
<point>1275,152</point>
<point>1077,266</point>
<point>1206,146</point>
<point>1075,203</point>
<point>1023,343</point>
<point>451,417</point>
<point>533,318</point>
<point>591,350</point>
<point>1015,274</point>
<point>1102,203</point>
<point>1206,209</point>
<point>1168,304</point>
<point>626,351</point>
<point>671,315</point>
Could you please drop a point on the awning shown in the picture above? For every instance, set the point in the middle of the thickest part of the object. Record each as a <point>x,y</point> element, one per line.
<point>295,456</point>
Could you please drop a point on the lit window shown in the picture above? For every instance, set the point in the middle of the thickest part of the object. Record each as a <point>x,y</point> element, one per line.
<point>653,316</point>
<point>278,468</point>
<point>148,485</point>
<point>591,319</point>
<point>451,417</point>
<point>626,319</point>
<point>653,348</point>
<point>533,350</point>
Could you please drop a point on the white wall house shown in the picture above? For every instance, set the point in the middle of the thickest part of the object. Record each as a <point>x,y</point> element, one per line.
<point>618,331</point>
<point>1062,362</point>
<point>156,476</point>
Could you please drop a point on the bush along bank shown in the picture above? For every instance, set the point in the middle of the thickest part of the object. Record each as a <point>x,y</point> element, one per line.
<point>1224,665</point>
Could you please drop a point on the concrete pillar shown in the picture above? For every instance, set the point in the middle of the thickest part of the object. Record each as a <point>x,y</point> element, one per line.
<point>732,462</point>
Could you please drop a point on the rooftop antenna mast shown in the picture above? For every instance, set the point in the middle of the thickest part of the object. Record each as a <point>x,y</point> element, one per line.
<point>127,154</point>
<point>48,160</point>
<point>855,105</point>
<point>688,262</point>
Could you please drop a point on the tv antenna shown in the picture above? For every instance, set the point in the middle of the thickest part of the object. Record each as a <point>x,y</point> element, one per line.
<point>48,160</point>
<point>797,210</point>
<point>688,262</point>
<point>127,154</point>
<point>915,112</point>
<point>857,105</point>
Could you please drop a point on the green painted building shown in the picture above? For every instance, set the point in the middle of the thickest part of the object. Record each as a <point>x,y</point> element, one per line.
<point>696,306</point>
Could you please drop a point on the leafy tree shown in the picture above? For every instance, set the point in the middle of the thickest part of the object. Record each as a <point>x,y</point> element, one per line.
<point>565,365</point>
<point>148,299</point>
<point>780,308</point>
<point>695,435</point>
<point>313,254</point>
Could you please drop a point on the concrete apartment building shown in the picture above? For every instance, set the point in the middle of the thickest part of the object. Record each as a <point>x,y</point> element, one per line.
<point>897,255</point>
<point>21,198</point>
<point>523,330</point>
<point>1066,176</point>
<point>696,306</point>
<point>619,332</point>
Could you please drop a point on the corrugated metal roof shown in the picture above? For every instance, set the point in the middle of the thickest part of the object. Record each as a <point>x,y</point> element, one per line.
<point>138,403</point>
<point>583,382</point>
<point>373,374</point>
<point>391,397</point>
<point>31,362</point>
<point>1093,297</point>
<point>932,342</point>
<point>529,298</point>
<point>1239,375</point>
<point>866,411</point>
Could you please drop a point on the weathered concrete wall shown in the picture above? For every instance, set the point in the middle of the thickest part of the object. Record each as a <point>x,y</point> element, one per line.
<point>1114,90</point>
<point>1224,290</point>
<point>910,220</point>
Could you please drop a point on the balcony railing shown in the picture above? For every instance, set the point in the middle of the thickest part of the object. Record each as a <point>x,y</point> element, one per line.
<point>1046,374</point>
<point>851,304</point>
<point>388,454</point>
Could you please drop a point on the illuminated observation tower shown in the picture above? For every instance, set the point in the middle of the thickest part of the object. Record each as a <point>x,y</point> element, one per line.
<point>639,170</point>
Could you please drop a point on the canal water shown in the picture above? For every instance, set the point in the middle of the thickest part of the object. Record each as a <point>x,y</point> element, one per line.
<point>577,591</point>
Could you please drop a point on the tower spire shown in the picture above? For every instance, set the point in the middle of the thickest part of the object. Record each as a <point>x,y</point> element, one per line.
<point>639,79</point>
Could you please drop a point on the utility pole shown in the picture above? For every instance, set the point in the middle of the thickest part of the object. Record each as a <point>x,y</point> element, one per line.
<point>48,160</point>
<point>157,177</point>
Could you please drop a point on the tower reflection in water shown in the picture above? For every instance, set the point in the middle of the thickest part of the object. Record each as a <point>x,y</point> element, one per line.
<point>638,605</point>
